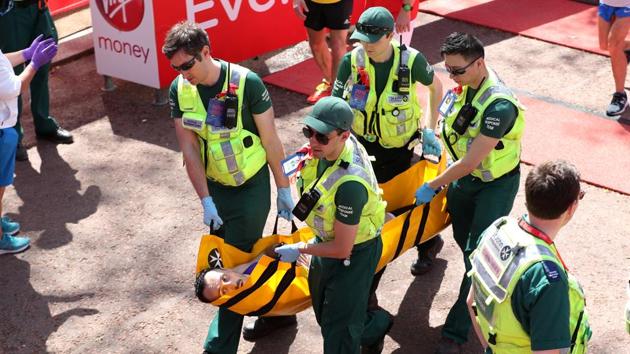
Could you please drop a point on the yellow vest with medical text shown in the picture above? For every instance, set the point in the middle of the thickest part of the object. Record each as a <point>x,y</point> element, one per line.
<point>504,253</point>
<point>391,117</point>
<point>500,160</point>
<point>231,156</point>
<point>353,164</point>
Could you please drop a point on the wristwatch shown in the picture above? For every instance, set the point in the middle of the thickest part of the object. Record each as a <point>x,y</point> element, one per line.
<point>406,7</point>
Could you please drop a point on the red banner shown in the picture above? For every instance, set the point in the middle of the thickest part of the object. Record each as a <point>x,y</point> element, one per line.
<point>57,7</point>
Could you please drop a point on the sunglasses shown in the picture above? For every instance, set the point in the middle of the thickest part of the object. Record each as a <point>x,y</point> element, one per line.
<point>371,29</point>
<point>186,66</point>
<point>581,194</point>
<point>321,138</point>
<point>460,71</point>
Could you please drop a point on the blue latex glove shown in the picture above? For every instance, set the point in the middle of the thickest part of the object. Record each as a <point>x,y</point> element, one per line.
<point>27,53</point>
<point>289,253</point>
<point>424,194</point>
<point>430,144</point>
<point>44,53</point>
<point>285,203</point>
<point>210,214</point>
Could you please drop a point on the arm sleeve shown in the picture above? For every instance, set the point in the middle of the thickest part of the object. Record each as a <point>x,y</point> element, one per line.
<point>256,94</point>
<point>498,118</point>
<point>421,70</point>
<point>343,73</point>
<point>172,100</point>
<point>350,199</point>
<point>10,84</point>
<point>540,302</point>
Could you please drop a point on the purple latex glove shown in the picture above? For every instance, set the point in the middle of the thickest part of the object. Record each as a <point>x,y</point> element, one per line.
<point>28,52</point>
<point>44,53</point>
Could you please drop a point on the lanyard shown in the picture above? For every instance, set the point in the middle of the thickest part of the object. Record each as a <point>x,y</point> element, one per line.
<point>530,229</point>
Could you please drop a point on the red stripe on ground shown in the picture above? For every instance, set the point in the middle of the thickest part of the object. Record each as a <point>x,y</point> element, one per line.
<point>564,22</point>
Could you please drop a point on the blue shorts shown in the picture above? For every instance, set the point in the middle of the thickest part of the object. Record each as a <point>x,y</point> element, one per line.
<point>8,147</point>
<point>607,12</point>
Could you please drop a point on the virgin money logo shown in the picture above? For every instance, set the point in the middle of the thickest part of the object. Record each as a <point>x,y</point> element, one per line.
<point>124,15</point>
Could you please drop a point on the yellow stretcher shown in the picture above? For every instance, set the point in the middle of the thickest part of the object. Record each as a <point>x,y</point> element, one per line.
<point>277,288</point>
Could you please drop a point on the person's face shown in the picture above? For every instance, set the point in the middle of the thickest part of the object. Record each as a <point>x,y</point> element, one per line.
<point>325,146</point>
<point>378,49</point>
<point>191,67</point>
<point>461,70</point>
<point>222,281</point>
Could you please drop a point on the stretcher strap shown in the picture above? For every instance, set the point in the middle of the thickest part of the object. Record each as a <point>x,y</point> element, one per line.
<point>275,226</point>
<point>282,286</point>
<point>268,273</point>
<point>423,222</point>
<point>403,235</point>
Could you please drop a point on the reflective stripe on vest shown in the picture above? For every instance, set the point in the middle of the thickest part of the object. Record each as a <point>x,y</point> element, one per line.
<point>227,159</point>
<point>499,161</point>
<point>391,118</point>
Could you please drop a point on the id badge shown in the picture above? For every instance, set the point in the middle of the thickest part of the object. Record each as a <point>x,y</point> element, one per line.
<point>447,103</point>
<point>290,164</point>
<point>358,97</point>
<point>216,113</point>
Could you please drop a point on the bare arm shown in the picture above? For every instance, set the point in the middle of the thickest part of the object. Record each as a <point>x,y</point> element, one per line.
<point>471,312</point>
<point>435,95</point>
<point>551,351</point>
<point>189,144</point>
<point>480,148</point>
<point>340,247</point>
<point>271,142</point>
<point>15,58</point>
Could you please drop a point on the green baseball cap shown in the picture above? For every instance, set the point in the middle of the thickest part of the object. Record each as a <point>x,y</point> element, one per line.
<point>330,113</point>
<point>373,24</point>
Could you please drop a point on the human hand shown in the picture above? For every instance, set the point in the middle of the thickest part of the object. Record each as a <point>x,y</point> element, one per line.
<point>289,253</point>
<point>44,52</point>
<point>210,214</point>
<point>403,21</point>
<point>27,53</point>
<point>300,9</point>
<point>285,203</point>
<point>424,194</point>
<point>430,143</point>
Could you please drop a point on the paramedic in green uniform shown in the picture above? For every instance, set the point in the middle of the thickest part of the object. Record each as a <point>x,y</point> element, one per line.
<point>341,202</point>
<point>23,23</point>
<point>224,123</point>
<point>538,306</point>
<point>388,115</point>
<point>482,129</point>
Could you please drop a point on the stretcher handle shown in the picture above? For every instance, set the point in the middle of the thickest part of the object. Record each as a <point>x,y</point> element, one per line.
<point>294,227</point>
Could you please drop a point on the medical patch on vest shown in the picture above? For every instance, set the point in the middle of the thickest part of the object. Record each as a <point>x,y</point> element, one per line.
<point>397,99</point>
<point>447,103</point>
<point>551,271</point>
<point>216,113</point>
<point>345,210</point>
<point>192,123</point>
<point>492,122</point>
<point>358,97</point>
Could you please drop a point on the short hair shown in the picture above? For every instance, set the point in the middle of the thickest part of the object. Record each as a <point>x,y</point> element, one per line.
<point>200,285</point>
<point>464,44</point>
<point>187,36</point>
<point>551,188</point>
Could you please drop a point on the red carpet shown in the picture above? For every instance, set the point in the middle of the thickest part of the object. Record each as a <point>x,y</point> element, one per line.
<point>564,22</point>
<point>600,148</point>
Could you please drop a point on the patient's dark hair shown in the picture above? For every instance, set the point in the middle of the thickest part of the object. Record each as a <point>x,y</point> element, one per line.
<point>200,284</point>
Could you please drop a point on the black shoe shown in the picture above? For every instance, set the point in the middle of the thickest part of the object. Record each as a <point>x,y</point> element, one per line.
<point>265,325</point>
<point>20,153</point>
<point>617,105</point>
<point>373,302</point>
<point>424,263</point>
<point>60,136</point>
<point>377,348</point>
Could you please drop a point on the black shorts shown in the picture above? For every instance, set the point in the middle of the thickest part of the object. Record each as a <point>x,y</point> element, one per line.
<point>332,16</point>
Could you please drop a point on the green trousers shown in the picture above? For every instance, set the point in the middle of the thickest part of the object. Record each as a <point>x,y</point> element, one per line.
<point>340,296</point>
<point>473,206</point>
<point>18,28</point>
<point>244,211</point>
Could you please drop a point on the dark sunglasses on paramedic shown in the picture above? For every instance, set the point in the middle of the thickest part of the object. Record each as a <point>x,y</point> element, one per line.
<point>371,29</point>
<point>321,138</point>
<point>185,66</point>
<point>460,71</point>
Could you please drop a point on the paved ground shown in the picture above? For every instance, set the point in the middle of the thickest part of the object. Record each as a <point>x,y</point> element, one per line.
<point>115,225</point>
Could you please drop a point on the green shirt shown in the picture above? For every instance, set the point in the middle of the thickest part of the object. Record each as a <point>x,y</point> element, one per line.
<point>350,198</point>
<point>256,100</point>
<point>540,302</point>
<point>498,118</point>
<point>421,72</point>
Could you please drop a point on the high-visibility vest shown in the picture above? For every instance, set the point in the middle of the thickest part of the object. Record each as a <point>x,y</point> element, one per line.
<point>231,156</point>
<point>391,118</point>
<point>507,154</point>
<point>353,164</point>
<point>504,253</point>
